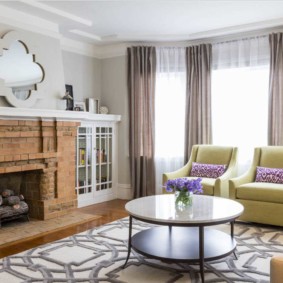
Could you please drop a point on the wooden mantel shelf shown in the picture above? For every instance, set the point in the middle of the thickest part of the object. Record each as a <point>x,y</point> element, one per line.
<point>58,115</point>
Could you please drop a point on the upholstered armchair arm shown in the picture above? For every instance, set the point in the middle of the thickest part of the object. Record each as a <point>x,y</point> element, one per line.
<point>222,183</point>
<point>182,172</point>
<point>221,187</point>
<point>247,177</point>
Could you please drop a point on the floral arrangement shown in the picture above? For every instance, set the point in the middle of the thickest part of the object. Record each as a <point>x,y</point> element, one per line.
<point>184,184</point>
<point>184,189</point>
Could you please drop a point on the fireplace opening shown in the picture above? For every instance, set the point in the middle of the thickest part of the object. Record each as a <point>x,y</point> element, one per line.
<point>35,185</point>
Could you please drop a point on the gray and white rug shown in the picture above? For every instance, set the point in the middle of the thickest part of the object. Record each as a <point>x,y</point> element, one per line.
<point>98,255</point>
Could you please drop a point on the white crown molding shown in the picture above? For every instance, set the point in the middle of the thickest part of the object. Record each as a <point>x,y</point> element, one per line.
<point>120,49</point>
<point>81,48</point>
<point>58,12</point>
<point>114,50</point>
<point>95,51</point>
<point>27,22</point>
<point>259,26</point>
<point>86,34</point>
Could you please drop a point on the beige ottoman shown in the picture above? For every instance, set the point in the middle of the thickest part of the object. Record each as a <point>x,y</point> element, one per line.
<point>276,269</point>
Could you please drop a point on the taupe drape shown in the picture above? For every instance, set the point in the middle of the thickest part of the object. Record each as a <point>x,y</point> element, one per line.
<point>275,109</point>
<point>198,129</point>
<point>141,90</point>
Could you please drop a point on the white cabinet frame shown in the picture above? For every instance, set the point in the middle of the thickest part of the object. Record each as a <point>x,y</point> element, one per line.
<point>101,163</point>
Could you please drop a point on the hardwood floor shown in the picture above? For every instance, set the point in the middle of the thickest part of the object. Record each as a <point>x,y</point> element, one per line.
<point>109,211</point>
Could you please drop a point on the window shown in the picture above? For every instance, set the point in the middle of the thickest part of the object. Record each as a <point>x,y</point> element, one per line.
<point>240,109</point>
<point>170,95</point>
<point>170,115</point>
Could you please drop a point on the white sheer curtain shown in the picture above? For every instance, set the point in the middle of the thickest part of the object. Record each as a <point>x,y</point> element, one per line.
<point>169,111</point>
<point>240,81</point>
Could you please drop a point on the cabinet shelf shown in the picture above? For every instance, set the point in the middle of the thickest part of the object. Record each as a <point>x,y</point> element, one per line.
<point>87,186</point>
<point>83,166</point>
<point>103,163</point>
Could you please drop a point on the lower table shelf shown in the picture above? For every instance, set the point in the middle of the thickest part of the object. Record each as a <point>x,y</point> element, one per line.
<point>182,243</point>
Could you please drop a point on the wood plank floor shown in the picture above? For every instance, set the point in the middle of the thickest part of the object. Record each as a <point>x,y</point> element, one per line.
<point>109,211</point>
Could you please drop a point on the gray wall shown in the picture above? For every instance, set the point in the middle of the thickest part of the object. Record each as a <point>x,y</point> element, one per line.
<point>84,74</point>
<point>114,96</point>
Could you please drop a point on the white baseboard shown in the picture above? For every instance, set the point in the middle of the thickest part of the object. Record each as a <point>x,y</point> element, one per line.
<point>124,191</point>
<point>97,199</point>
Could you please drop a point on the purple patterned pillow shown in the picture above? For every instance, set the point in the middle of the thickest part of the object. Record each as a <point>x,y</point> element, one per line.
<point>207,170</point>
<point>269,175</point>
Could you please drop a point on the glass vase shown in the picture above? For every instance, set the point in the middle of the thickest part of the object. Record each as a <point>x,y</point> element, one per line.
<point>183,198</point>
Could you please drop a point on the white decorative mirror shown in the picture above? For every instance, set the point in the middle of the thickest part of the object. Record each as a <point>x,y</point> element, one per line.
<point>20,74</point>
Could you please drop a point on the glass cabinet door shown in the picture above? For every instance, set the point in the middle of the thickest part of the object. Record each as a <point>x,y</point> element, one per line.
<point>104,139</point>
<point>84,174</point>
<point>94,170</point>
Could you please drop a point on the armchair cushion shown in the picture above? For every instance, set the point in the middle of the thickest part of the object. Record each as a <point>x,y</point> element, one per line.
<point>265,192</point>
<point>207,170</point>
<point>269,175</point>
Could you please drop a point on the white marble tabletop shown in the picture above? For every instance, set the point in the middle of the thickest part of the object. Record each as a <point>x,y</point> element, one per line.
<point>204,210</point>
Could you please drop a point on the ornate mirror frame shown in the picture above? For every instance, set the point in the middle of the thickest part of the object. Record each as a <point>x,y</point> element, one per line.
<point>5,43</point>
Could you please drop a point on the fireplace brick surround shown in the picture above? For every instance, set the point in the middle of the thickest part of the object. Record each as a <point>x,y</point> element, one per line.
<point>41,154</point>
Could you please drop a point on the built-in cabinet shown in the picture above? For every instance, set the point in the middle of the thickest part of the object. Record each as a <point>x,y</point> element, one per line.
<point>96,170</point>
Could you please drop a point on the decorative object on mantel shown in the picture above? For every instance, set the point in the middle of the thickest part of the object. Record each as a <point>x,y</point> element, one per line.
<point>184,189</point>
<point>103,110</point>
<point>92,105</point>
<point>69,97</point>
<point>79,106</point>
<point>21,76</point>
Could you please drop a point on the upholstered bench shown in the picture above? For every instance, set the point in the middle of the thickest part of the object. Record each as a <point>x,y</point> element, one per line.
<point>276,269</point>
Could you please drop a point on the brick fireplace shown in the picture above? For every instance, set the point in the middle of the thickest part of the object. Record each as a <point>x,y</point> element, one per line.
<point>37,158</point>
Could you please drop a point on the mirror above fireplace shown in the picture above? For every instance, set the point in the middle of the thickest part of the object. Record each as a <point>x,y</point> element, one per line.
<point>20,73</point>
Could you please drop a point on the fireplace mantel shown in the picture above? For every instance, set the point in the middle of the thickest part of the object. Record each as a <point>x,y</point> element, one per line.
<point>54,115</point>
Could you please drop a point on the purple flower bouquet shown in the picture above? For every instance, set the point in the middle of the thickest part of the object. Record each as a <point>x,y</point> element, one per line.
<point>184,189</point>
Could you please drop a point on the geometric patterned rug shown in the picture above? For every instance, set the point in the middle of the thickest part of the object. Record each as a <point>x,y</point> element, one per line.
<point>98,255</point>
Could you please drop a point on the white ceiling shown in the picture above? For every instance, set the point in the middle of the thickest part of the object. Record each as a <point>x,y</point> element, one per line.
<point>106,22</point>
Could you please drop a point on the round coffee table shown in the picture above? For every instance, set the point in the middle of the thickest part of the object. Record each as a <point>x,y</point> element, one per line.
<point>182,235</point>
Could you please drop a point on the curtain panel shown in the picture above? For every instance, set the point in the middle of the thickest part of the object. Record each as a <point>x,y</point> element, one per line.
<point>275,110</point>
<point>141,91</point>
<point>198,128</point>
<point>247,52</point>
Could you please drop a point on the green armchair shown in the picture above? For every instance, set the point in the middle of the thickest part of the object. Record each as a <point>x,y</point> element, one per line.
<point>263,201</point>
<point>210,154</point>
